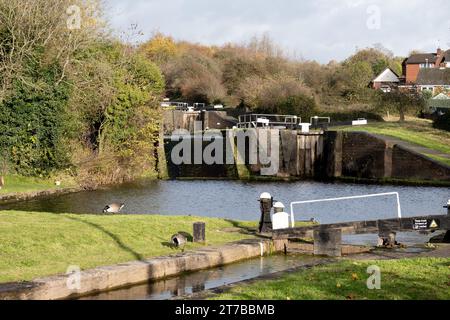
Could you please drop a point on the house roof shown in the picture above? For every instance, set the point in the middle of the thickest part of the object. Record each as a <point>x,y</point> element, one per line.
<point>421,58</point>
<point>388,75</point>
<point>447,56</point>
<point>439,103</point>
<point>441,96</point>
<point>433,76</point>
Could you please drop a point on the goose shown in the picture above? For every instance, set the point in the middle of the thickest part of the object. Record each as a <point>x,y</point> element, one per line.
<point>178,240</point>
<point>114,208</point>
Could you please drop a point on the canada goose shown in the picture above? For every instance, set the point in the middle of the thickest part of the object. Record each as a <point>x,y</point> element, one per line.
<point>178,240</point>
<point>2,182</point>
<point>114,208</point>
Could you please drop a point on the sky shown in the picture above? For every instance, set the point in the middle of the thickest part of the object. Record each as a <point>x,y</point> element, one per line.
<point>306,29</point>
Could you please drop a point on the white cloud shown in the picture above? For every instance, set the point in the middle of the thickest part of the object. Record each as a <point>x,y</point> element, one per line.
<point>315,29</point>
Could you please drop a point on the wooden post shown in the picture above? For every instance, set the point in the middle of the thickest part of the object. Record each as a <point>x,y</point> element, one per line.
<point>328,242</point>
<point>199,232</point>
<point>447,234</point>
<point>265,223</point>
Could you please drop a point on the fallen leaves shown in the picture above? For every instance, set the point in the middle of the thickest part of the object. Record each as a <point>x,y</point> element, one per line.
<point>351,296</point>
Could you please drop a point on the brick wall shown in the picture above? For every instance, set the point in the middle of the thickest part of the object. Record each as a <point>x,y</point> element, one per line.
<point>363,156</point>
<point>410,165</point>
<point>412,71</point>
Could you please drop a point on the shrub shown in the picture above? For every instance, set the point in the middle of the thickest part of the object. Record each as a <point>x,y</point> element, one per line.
<point>33,123</point>
<point>298,105</point>
<point>443,122</point>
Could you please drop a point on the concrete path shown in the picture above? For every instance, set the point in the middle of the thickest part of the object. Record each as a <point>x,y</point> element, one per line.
<point>441,251</point>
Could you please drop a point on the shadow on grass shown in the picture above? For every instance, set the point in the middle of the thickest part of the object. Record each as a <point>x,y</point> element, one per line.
<point>243,229</point>
<point>114,237</point>
<point>168,245</point>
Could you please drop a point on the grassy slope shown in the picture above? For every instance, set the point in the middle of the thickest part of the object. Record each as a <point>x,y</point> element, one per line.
<point>18,184</point>
<point>425,278</point>
<point>40,244</point>
<point>417,131</point>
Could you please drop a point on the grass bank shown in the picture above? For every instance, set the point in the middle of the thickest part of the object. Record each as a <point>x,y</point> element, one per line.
<point>41,244</point>
<point>19,184</point>
<point>407,279</point>
<point>419,132</point>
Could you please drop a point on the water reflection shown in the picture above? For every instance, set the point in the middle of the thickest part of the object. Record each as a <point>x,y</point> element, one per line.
<point>207,279</point>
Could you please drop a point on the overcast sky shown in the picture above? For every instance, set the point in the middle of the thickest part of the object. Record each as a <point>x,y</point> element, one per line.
<point>319,30</point>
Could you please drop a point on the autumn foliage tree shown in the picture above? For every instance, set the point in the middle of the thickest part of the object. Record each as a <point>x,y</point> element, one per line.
<point>71,96</point>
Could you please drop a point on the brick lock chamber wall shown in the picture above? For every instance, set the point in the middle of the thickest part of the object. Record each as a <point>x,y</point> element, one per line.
<point>361,155</point>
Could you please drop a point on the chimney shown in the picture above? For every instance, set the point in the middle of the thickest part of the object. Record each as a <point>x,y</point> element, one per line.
<point>439,57</point>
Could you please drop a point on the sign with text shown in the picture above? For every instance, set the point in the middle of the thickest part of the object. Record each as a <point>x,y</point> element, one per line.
<point>426,224</point>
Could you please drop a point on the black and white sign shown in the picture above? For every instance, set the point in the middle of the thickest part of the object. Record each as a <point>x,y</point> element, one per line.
<point>425,224</point>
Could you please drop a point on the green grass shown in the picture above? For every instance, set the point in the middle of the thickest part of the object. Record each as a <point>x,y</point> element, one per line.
<point>18,184</point>
<point>41,244</point>
<point>416,279</point>
<point>418,132</point>
<point>438,158</point>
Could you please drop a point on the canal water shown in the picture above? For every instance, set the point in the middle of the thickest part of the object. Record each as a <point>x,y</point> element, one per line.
<point>191,283</point>
<point>239,200</point>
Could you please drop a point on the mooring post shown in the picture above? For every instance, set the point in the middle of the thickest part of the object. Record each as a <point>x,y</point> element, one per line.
<point>328,242</point>
<point>199,232</point>
<point>265,223</point>
<point>447,234</point>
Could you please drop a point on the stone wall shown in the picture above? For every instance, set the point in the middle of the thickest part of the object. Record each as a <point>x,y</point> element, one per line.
<point>407,164</point>
<point>362,155</point>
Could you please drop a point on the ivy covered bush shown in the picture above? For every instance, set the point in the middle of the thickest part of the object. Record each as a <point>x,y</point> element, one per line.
<point>74,100</point>
<point>443,122</point>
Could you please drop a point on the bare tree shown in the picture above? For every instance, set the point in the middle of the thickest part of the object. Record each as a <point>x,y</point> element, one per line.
<point>29,26</point>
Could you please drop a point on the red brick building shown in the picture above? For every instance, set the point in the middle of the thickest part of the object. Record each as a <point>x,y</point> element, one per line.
<point>421,72</point>
<point>422,61</point>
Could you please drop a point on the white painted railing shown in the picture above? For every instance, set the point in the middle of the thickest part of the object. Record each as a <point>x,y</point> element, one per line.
<point>399,209</point>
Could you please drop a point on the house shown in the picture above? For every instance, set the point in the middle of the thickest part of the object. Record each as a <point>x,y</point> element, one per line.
<point>434,80</point>
<point>421,72</point>
<point>416,63</point>
<point>386,80</point>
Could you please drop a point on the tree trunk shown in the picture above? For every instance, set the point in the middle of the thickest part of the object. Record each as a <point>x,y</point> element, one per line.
<point>402,116</point>
<point>2,182</point>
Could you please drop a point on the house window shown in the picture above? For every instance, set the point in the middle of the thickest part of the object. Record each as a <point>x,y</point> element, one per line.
<point>426,65</point>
